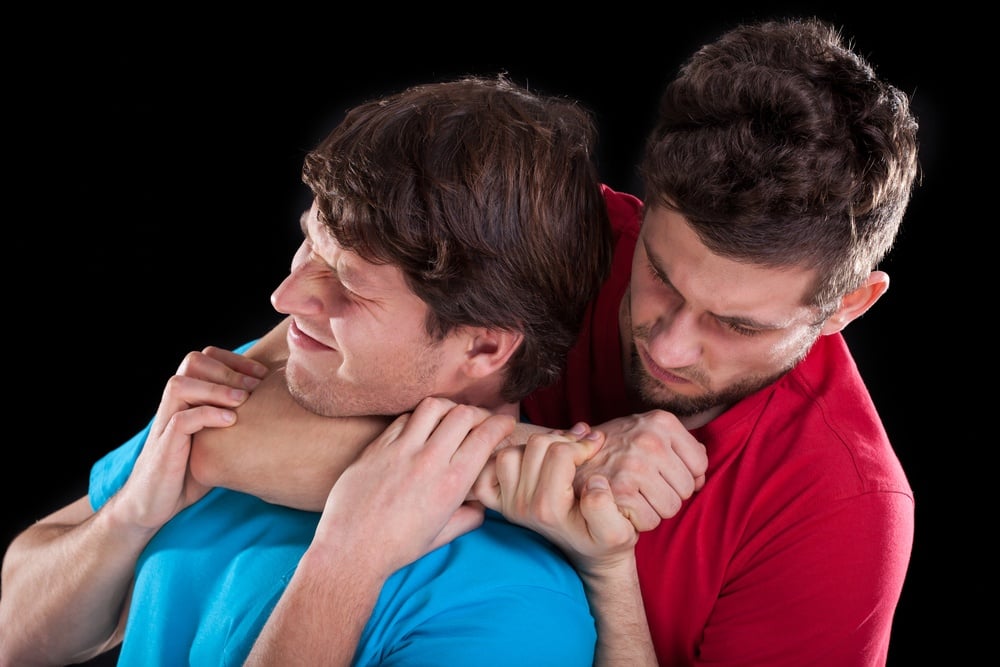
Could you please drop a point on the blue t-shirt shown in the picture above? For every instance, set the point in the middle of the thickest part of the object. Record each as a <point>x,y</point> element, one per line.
<point>207,582</point>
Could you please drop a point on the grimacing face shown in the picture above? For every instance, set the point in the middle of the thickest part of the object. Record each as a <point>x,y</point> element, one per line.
<point>705,330</point>
<point>357,342</point>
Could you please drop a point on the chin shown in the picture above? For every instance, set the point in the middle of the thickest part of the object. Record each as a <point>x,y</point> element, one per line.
<point>301,385</point>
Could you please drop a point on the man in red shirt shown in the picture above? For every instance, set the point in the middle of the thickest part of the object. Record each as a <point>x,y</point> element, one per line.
<point>776,180</point>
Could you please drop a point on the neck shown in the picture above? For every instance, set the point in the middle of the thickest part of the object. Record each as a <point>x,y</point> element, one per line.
<point>488,400</point>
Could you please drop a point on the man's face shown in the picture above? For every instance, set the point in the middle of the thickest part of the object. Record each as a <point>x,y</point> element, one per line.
<point>706,330</point>
<point>357,343</point>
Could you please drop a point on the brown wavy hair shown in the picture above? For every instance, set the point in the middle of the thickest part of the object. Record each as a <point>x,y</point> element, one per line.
<point>781,147</point>
<point>487,196</point>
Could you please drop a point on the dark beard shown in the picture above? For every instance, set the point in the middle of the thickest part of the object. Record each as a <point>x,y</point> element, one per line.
<point>651,394</point>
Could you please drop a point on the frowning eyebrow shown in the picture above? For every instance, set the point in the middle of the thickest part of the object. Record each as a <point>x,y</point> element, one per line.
<point>350,275</point>
<point>656,266</point>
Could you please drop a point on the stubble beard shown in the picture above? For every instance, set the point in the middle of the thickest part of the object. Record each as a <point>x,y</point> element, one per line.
<point>652,394</point>
<point>332,396</point>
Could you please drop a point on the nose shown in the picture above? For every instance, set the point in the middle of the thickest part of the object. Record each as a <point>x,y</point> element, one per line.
<point>296,295</point>
<point>674,341</point>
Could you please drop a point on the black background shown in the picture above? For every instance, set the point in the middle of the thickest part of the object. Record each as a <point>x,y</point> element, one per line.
<point>152,198</point>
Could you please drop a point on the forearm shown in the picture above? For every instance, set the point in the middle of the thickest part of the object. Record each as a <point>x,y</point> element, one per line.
<point>623,638</point>
<point>279,451</point>
<point>65,583</point>
<point>322,613</point>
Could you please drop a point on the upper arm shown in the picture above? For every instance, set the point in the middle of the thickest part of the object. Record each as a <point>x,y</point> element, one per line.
<point>821,591</point>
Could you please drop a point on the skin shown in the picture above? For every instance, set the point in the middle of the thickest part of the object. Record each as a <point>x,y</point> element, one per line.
<point>356,341</point>
<point>707,330</point>
<point>700,325</point>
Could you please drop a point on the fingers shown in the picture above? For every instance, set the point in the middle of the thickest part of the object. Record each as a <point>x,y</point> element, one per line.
<point>215,378</point>
<point>190,421</point>
<point>533,486</point>
<point>653,465</point>
<point>534,483</point>
<point>605,520</point>
<point>548,470</point>
<point>648,496</point>
<point>647,505</point>
<point>467,517</point>
<point>468,434</point>
<point>221,366</point>
<point>694,459</point>
<point>194,391</point>
<point>410,486</point>
<point>657,501</point>
<point>202,394</point>
<point>580,443</point>
<point>482,441</point>
<point>486,488</point>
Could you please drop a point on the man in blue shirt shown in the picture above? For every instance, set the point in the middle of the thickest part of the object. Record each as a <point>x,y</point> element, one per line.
<point>456,234</point>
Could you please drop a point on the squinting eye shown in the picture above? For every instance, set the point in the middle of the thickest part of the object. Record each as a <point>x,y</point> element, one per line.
<point>741,330</point>
<point>657,276</point>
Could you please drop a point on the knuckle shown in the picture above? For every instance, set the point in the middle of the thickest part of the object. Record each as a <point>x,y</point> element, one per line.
<point>430,402</point>
<point>623,486</point>
<point>509,455</point>
<point>462,411</point>
<point>189,361</point>
<point>673,506</point>
<point>176,383</point>
<point>543,513</point>
<point>469,414</point>
<point>664,418</point>
<point>644,521</point>
<point>562,450</point>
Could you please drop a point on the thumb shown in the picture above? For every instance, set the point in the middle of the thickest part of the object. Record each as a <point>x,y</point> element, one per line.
<point>592,442</point>
<point>597,492</point>
<point>467,517</point>
<point>605,520</point>
<point>486,488</point>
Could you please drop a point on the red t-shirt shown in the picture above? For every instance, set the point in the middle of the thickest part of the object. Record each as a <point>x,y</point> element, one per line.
<point>795,550</point>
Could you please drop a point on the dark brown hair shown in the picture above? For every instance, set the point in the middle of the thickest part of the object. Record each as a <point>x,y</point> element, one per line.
<point>781,147</point>
<point>487,197</point>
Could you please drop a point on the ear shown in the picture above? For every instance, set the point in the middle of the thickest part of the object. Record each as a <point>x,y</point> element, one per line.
<point>489,350</point>
<point>856,303</point>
